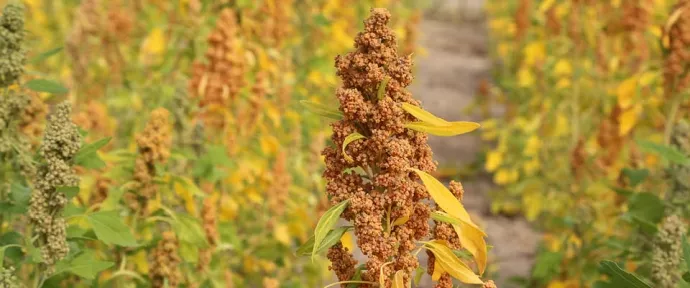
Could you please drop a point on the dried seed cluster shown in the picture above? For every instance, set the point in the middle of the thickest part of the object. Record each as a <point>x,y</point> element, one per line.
<point>678,56</point>
<point>12,52</point>
<point>154,147</point>
<point>60,143</point>
<point>165,262</point>
<point>220,80</point>
<point>209,216</point>
<point>95,118</point>
<point>609,139</point>
<point>667,252</point>
<point>387,152</point>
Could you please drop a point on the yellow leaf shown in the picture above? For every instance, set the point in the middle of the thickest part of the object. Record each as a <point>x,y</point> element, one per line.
<point>626,91</point>
<point>455,128</point>
<point>472,239</point>
<point>141,262</point>
<point>534,52</point>
<point>444,198</point>
<point>347,241</point>
<point>280,232</point>
<point>533,146</point>
<point>349,139</point>
<point>563,68</point>
<point>424,116</point>
<point>438,271</point>
<point>628,119</point>
<point>399,280</point>
<point>546,5</point>
<point>155,42</point>
<point>401,220</point>
<point>525,77</point>
<point>493,160</point>
<point>382,277</point>
<point>451,263</point>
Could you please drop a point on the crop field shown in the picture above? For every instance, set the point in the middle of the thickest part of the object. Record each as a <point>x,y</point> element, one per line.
<point>291,143</point>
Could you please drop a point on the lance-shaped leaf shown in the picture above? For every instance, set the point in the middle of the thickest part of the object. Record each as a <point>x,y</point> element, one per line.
<point>444,198</point>
<point>326,224</point>
<point>43,85</point>
<point>455,128</point>
<point>322,110</point>
<point>400,221</point>
<point>424,116</point>
<point>332,238</point>
<point>438,271</point>
<point>472,239</point>
<point>349,139</point>
<point>45,55</point>
<point>620,277</point>
<point>399,280</point>
<point>451,263</point>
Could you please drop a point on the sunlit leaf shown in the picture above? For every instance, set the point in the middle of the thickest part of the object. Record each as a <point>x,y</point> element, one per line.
<point>472,239</point>
<point>620,276</point>
<point>45,55</point>
<point>667,152</point>
<point>399,280</point>
<point>43,85</point>
<point>332,238</point>
<point>425,116</point>
<point>455,128</point>
<point>85,265</point>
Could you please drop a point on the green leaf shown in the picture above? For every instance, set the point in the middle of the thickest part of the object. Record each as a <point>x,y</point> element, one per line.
<point>322,110</point>
<point>85,266</point>
<point>667,152</point>
<point>69,191</point>
<point>20,196</point>
<point>45,55</point>
<point>91,148</point>
<point>620,276</point>
<point>326,223</point>
<point>189,230</point>
<point>635,176</point>
<point>356,277</point>
<point>110,229</point>
<point>321,20</point>
<point>2,252</point>
<point>332,238</point>
<point>382,89</point>
<point>647,207</point>
<point>113,198</point>
<point>418,273</point>
<point>43,85</point>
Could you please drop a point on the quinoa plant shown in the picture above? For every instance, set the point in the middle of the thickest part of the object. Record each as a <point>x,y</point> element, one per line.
<point>372,173</point>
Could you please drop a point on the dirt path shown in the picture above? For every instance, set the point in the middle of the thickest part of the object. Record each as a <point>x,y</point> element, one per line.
<point>447,76</point>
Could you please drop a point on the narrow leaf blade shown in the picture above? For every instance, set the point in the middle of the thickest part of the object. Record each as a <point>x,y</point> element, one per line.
<point>425,116</point>
<point>349,139</point>
<point>326,223</point>
<point>455,128</point>
<point>322,110</point>
<point>43,85</point>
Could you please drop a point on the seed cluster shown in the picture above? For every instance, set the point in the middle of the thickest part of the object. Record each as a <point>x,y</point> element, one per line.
<point>8,279</point>
<point>387,152</point>
<point>165,262</point>
<point>667,252</point>
<point>95,118</point>
<point>609,138</point>
<point>219,81</point>
<point>32,117</point>
<point>522,18</point>
<point>14,147</point>
<point>12,52</point>
<point>678,56</point>
<point>60,143</point>
<point>209,216</point>
<point>154,147</point>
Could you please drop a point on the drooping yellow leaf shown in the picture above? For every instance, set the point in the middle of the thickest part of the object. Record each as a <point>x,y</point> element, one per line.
<point>444,198</point>
<point>399,280</point>
<point>438,271</point>
<point>424,116</point>
<point>322,110</point>
<point>155,42</point>
<point>472,239</point>
<point>455,128</point>
<point>451,263</point>
<point>349,139</point>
